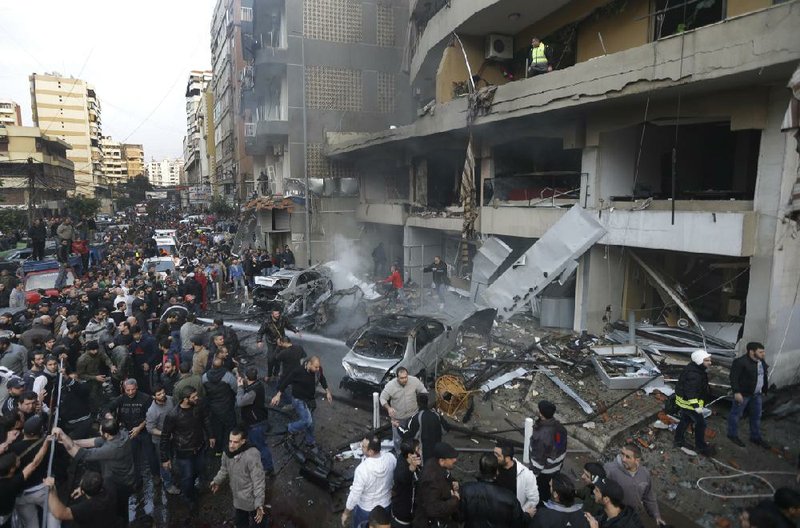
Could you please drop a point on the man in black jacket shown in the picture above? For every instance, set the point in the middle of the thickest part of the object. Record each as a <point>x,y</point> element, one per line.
<point>691,394</point>
<point>273,329</point>
<point>440,280</point>
<point>748,383</point>
<point>303,380</point>
<point>485,504</point>
<point>130,411</point>
<point>251,400</point>
<point>611,497</point>
<point>438,497</point>
<point>183,439</point>
<point>426,426</point>
<point>561,509</point>
<point>38,236</point>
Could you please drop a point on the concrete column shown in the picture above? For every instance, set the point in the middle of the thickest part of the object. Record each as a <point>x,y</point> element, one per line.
<point>600,281</point>
<point>772,315</point>
<point>590,164</point>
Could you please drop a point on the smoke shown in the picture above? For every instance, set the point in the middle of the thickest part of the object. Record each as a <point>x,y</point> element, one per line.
<point>352,261</point>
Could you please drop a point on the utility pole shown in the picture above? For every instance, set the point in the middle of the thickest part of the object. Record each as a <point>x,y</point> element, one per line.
<point>31,187</point>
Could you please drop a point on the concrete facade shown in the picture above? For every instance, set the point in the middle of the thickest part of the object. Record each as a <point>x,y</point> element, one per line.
<point>671,140</point>
<point>68,109</point>
<point>10,113</point>
<point>115,169</point>
<point>133,156</point>
<point>165,173</point>
<point>195,142</point>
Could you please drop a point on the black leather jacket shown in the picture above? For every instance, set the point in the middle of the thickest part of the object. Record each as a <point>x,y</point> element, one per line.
<point>744,376</point>
<point>484,504</point>
<point>185,431</point>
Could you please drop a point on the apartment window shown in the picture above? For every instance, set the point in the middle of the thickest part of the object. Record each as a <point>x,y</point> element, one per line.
<point>670,19</point>
<point>247,14</point>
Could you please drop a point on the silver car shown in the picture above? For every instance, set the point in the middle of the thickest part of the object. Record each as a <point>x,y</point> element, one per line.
<point>416,342</point>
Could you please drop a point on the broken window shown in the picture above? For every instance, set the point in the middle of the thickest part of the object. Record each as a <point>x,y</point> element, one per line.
<point>711,162</point>
<point>671,16</point>
<point>380,346</point>
<point>533,171</point>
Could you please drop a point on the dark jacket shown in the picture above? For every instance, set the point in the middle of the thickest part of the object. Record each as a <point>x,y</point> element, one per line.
<point>303,382</point>
<point>627,518</point>
<point>554,514</point>
<point>487,505</point>
<point>219,394</point>
<point>744,376</point>
<point>435,501</point>
<point>185,432</point>
<point>548,446</point>
<point>439,272</point>
<point>290,357</point>
<point>691,391</point>
<point>37,233</point>
<point>426,426</point>
<point>130,412</point>
<point>252,402</point>
<point>272,330</point>
<point>405,484</point>
<point>144,351</point>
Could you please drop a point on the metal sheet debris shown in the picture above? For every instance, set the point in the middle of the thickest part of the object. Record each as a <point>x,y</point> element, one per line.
<point>487,261</point>
<point>545,261</point>
<point>662,286</point>
<point>502,380</point>
<point>569,392</point>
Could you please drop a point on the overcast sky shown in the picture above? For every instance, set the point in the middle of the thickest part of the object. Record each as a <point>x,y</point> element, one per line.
<point>138,56</point>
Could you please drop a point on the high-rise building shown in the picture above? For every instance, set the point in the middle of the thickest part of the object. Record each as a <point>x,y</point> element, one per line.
<point>133,156</point>
<point>312,67</point>
<point>10,113</point>
<point>68,109</point>
<point>165,173</point>
<point>195,151</point>
<point>234,166</point>
<point>114,167</point>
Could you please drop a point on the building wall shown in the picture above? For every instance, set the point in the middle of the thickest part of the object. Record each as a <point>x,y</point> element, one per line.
<point>60,109</point>
<point>740,7</point>
<point>10,113</point>
<point>620,31</point>
<point>453,68</point>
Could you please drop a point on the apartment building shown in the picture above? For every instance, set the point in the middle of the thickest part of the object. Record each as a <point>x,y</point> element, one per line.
<point>10,113</point>
<point>312,67</point>
<point>233,166</point>
<point>662,125</point>
<point>165,173</point>
<point>49,175</point>
<point>195,150</point>
<point>68,108</point>
<point>133,157</point>
<point>114,167</point>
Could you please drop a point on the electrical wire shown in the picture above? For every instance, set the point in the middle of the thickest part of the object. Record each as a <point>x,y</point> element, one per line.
<point>739,474</point>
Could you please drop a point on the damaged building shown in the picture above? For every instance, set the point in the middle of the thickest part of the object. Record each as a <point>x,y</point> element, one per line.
<point>645,179</point>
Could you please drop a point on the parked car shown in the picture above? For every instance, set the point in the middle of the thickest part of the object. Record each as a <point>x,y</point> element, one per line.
<point>416,342</point>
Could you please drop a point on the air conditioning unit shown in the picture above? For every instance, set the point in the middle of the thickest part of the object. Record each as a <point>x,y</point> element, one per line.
<point>499,47</point>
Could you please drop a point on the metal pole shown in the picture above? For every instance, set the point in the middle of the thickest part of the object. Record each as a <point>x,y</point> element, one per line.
<point>631,327</point>
<point>526,453</point>
<point>466,61</point>
<point>55,424</point>
<point>305,157</point>
<point>376,411</point>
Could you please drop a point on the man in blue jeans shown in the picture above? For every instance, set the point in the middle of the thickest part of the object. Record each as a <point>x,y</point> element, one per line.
<point>251,400</point>
<point>304,379</point>
<point>748,382</point>
<point>183,439</point>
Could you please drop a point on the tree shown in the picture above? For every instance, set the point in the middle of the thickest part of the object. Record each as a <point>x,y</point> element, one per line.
<point>220,207</point>
<point>82,207</point>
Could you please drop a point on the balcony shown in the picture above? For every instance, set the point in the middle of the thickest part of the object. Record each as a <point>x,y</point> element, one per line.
<point>382,213</point>
<point>261,136</point>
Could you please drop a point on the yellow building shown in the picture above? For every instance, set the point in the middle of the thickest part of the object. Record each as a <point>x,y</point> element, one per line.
<point>133,156</point>
<point>68,109</point>
<point>51,171</point>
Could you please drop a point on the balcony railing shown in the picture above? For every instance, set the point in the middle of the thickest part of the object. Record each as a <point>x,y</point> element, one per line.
<point>539,189</point>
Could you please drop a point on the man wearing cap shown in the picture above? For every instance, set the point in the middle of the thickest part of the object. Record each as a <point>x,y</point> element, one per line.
<point>34,493</point>
<point>691,393</point>
<point>437,492</point>
<point>88,370</point>
<point>548,448</point>
<point>615,514</point>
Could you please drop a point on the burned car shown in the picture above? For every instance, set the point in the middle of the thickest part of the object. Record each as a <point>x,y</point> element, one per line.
<point>416,342</point>
<point>291,291</point>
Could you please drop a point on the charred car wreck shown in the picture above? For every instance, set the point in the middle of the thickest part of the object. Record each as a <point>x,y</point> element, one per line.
<point>416,342</point>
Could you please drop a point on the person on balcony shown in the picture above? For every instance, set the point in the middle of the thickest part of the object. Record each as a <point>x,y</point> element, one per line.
<point>538,63</point>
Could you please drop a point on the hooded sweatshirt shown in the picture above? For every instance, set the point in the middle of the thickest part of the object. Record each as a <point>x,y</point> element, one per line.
<point>372,483</point>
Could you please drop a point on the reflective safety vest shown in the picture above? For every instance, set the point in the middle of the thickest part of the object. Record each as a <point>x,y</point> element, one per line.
<point>690,404</point>
<point>537,54</point>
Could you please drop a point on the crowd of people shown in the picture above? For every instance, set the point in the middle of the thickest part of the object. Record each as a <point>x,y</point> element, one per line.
<point>115,383</point>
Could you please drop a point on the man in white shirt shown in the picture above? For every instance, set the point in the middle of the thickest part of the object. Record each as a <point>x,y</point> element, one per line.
<point>372,483</point>
<point>399,398</point>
